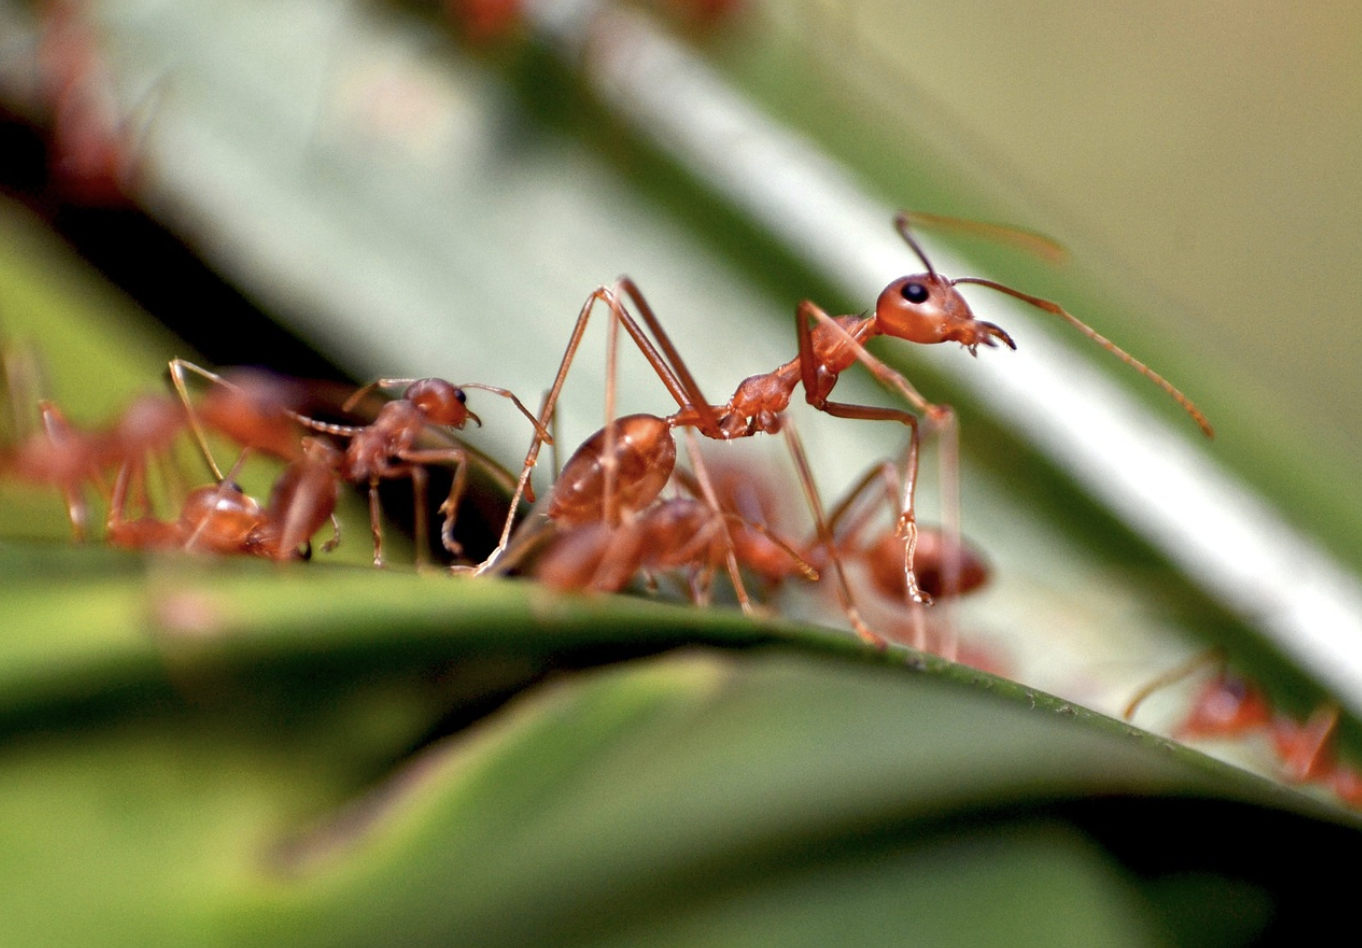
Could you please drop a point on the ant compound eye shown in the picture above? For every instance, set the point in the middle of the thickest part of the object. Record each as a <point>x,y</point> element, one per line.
<point>458,393</point>
<point>915,292</point>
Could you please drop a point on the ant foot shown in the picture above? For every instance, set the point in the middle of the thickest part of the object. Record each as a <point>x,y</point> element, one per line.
<point>940,416</point>
<point>866,634</point>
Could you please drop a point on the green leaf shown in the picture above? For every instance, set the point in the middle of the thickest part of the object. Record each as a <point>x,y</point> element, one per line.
<point>254,755</point>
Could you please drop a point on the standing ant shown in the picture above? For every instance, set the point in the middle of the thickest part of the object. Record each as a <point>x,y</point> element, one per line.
<point>628,465</point>
<point>604,535</point>
<point>387,448</point>
<point>260,412</point>
<point>925,308</point>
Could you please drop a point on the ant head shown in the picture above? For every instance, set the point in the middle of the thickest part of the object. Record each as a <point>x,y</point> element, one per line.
<point>442,402</point>
<point>927,308</point>
<point>1226,706</point>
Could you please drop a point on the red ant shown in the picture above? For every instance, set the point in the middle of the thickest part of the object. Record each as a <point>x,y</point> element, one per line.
<point>69,459</point>
<point>925,308</point>
<point>1231,707</point>
<point>946,567</point>
<point>215,518</point>
<point>606,534</point>
<point>62,457</point>
<point>629,465</point>
<point>386,448</point>
<point>259,413</point>
<point>221,518</point>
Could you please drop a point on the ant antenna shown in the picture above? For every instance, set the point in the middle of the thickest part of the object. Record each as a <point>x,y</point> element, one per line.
<point>1171,677</point>
<point>1057,310</point>
<point>903,223</point>
<point>1034,243</point>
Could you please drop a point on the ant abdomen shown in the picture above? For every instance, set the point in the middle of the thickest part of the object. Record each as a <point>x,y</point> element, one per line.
<point>644,453</point>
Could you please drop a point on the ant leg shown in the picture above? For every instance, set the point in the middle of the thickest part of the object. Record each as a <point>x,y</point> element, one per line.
<point>546,415</point>
<point>801,462</point>
<point>1056,310</point>
<point>555,461</point>
<point>809,363</point>
<point>888,475</point>
<point>450,509</point>
<point>674,372</point>
<point>58,432</point>
<point>907,527</point>
<point>707,489</point>
<point>420,523</point>
<point>658,364</point>
<point>609,462</point>
<point>457,459</point>
<point>177,367</point>
<point>375,523</point>
<point>118,500</point>
<point>334,542</point>
<point>948,461</point>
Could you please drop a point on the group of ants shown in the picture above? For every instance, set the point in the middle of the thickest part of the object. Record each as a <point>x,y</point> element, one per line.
<point>609,515</point>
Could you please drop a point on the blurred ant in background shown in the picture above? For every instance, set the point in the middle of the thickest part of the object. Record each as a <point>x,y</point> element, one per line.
<point>94,147</point>
<point>1228,706</point>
